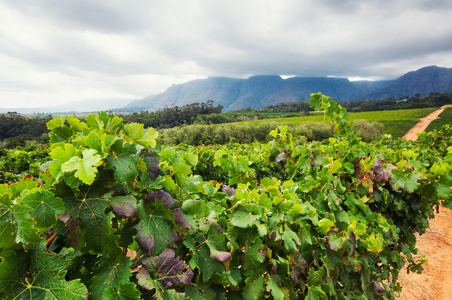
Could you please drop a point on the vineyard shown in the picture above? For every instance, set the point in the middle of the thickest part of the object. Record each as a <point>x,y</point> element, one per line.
<point>396,122</point>
<point>108,212</point>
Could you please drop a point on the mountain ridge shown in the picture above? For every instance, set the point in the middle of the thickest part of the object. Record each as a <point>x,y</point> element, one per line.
<point>260,90</point>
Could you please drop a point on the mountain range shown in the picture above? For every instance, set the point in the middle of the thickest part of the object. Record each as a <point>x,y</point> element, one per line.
<point>258,91</point>
<point>261,90</point>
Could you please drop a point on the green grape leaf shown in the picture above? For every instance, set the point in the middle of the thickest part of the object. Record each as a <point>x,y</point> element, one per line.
<point>444,190</point>
<point>122,161</point>
<point>145,137</point>
<point>202,260</point>
<point>191,159</point>
<point>243,219</point>
<point>316,293</point>
<point>316,277</point>
<point>7,228</point>
<point>169,182</point>
<point>12,191</point>
<point>109,274</point>
<point>102,120</point>
<point>254,288</point>
<point>374,243</point>
<point>406,180</point>
<point>17,226</point>
<point>276,291</point>
<point>254,255</point>
<point>90,226</point>
<point>291,240</point>
<point>86,167</point>
<point>76,123</point>
<point>125,291</point>
<point>45,207</point>
<point>55,122</point>
<point>61,154</point>
<point>324,226</point>
<point>171,270</point>
<point>200,291</point>
<point>59,132</point>
<point>39,275</point>
<point>113,124</point>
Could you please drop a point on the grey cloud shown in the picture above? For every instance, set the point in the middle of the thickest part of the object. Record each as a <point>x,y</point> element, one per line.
<point>113,41</point>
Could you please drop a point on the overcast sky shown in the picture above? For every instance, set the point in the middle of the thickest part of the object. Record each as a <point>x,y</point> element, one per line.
<point>56,51</point>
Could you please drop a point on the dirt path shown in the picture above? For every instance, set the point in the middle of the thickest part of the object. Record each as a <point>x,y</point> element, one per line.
<point>423,123</point>
<point>435,282</point>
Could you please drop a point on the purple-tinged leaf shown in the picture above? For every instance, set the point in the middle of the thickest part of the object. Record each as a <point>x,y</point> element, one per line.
<point>359,173</point>
<point>352,243</point>
<point>219,229</point>
<point>124,206</point>
<point>152,162</point>
<point>217,243</point>
<point>180,218</point>
<point>378,288</point>
<point>281,157</point>
<point>171,270</point>
<point>145,280</point>
<point>145,236</point>
<point>274,268</point>
<point>382,174</point>
<point>64,217</point>
<point>228,190</point>
<point>221,256</point>
<point>298,264</point>
<point>334,241</point>
<point>155,230</point>
<point>72,233</point>
<point>161,195</point>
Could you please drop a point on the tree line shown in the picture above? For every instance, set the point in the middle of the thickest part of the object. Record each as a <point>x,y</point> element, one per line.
<point>431,100</point>
<point>174,116</point>
<point>16,129</point>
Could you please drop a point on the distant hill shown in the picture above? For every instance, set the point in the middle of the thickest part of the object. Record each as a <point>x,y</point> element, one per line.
<point>424,81</point>
<point>258,91</point>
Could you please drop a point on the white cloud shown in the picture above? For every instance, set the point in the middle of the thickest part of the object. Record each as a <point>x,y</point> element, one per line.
<point>59,51</point>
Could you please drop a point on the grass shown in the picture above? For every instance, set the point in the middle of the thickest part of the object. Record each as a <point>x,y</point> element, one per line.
<point>396,122</point>
<point>444,118</point>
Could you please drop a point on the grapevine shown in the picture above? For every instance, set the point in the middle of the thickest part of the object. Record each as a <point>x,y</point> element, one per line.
<point>116,215</point>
